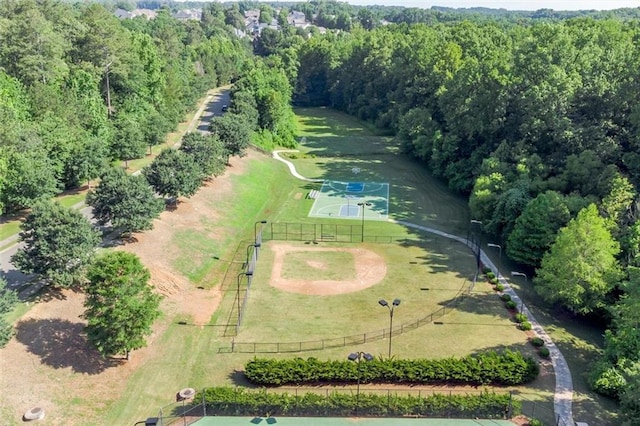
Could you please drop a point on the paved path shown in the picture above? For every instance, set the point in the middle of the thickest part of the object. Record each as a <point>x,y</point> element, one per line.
<point>563,395</point>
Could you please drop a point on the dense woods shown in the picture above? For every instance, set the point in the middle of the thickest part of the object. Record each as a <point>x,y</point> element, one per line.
<point>81,88</point>
<point>533,115</point>
<point>536,120</point>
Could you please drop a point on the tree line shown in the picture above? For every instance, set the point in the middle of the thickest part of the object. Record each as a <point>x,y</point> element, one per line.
<point>82,89</point>
<point>538,124</point>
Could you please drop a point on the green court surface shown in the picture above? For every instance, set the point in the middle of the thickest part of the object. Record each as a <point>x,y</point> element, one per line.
<point>351,200</point>
<point>343,421</point>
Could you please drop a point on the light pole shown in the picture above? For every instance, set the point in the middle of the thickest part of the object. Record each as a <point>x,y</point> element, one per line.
<point>363,205</point>
<point>526,279</point>
<point>255,232</point>
<point>395,303</point>
<point>498,246</point>
<point>357,357</point>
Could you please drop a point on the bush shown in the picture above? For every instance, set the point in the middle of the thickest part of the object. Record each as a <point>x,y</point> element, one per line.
<point>505,297</point>
<point>228,401</point>
<point>497,368</point>
<point>510,304</point>
<point>520,318</point>
<point>525,326</point>
<point>486,270</point>
<point>535,422</point>
<point>543,352</point>
<point>494,281</point>
<point>490,275</point>
<point>499,287</point>
<point>537,342</point>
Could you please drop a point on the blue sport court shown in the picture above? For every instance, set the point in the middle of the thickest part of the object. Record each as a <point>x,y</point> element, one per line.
<point>352,200</point>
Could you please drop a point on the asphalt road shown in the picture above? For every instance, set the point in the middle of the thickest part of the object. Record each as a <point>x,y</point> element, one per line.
<point>211,107</point>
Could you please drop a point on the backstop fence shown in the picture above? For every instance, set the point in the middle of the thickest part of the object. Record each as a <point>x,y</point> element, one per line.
<point>324,232</point>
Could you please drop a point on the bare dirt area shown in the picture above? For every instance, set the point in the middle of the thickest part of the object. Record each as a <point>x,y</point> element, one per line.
<point>370,269</point>
<point>49,364</point>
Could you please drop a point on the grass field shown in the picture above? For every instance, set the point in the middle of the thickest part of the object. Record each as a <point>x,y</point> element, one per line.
<point>424,271</point>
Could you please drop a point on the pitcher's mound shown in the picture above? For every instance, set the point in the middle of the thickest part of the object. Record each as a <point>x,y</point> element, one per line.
<point>370,269</point>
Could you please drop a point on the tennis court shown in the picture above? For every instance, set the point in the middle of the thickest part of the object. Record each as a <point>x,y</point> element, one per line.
<point>351,200</point>
<point>344,421</point>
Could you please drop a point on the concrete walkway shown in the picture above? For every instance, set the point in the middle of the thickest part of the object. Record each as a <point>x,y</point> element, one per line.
<point>563,396</point>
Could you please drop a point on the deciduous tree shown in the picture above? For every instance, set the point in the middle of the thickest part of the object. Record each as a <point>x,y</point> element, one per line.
<point>128,202</point>
<point>120,304</point>
<point>59,243</point>
<point>580,269</point>
<point>173,174</point>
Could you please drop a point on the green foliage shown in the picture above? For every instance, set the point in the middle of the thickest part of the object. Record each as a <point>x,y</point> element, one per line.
<point>544,352</point>
<point>511,305</point>
<point>490,275</point>
<point>505,297</point>
<point>173,174</point>
<point>607,379</point>
<point>525,326</point>
<point>520,318</point>
<point>507,368</point>
<point>581,268</point>
<point>125,201</point>
<point>499,287</point>
<point>536,228</point>
<point>30,178</point>
<point>234,133</point>
<point>537,342</point>
<point>245,402</point>
<point>59,243</point>
<point>120,305</point>
<point>8,300</point>
<point>207,152</point>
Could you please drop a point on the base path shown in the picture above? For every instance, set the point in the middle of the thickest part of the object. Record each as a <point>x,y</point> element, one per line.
<point>563,396</point>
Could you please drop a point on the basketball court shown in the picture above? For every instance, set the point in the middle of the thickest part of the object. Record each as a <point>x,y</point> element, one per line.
<point>352,200</point>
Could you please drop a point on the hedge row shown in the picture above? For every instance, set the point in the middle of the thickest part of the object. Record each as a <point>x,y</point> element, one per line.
<point>490,368</point>
<point>228,401</point>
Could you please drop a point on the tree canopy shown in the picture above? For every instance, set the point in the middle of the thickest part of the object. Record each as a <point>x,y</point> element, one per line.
<point>58,244</point>
<point>120,305</point>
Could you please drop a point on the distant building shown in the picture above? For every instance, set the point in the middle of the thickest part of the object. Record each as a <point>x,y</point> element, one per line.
<point>188,14</point>
<point>124,14</point>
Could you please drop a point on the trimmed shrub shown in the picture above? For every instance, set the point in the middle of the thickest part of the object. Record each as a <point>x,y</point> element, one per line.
<point>505,297</point>
<point>499,287</point>
<point>537,342</point>
<point>520,318</point>
<point>525,326</point>
<point>505,368</point>
<point>510,304</point>
<point>543,352</point>
<point>228,401</point>
<point>486,270</point>
<point>494,281</point>
<point>490,275</point>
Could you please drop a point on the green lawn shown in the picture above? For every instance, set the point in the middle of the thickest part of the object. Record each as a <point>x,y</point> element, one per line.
<point>425,272</point>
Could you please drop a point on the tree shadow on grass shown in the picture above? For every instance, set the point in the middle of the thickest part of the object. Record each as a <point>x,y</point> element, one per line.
<point>61,343</point>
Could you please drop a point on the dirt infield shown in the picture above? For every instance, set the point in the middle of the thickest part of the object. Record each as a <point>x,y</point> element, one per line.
<point>370,269</point>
